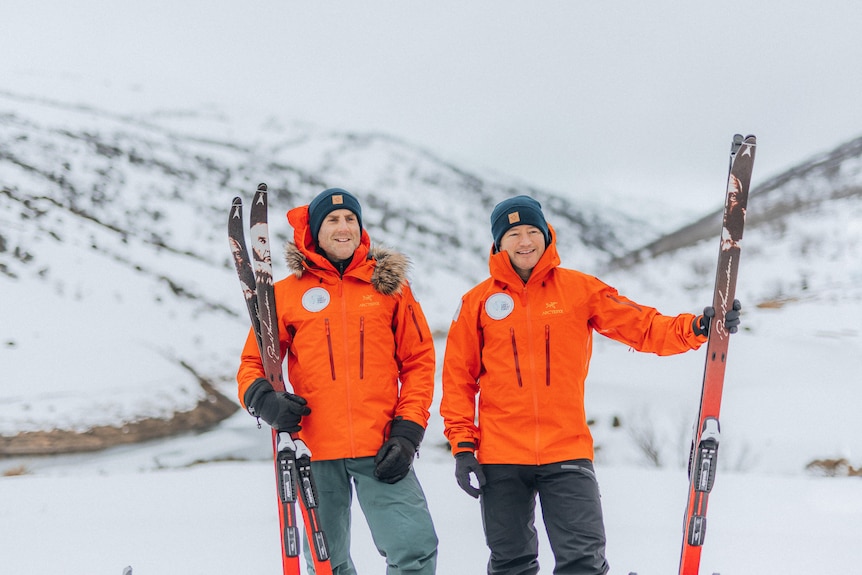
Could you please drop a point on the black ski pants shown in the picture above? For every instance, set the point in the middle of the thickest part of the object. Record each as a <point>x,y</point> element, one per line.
<point>571,510</point>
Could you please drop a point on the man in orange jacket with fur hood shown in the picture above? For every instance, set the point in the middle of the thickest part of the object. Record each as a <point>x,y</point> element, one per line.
<point>521,343</point>
<point>360,359</point>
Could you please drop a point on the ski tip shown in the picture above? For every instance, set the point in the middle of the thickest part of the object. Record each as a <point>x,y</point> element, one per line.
<point>261,187</point>
<point>237,201</point>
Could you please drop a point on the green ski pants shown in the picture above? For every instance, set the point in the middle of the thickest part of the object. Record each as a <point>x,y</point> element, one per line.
<point>397,515</point>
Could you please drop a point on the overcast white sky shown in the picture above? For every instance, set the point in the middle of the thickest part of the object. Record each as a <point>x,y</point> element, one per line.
<point>584,98</point>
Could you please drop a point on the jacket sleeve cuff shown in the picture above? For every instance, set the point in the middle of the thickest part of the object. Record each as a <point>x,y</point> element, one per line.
<point>698,337</point>
<point>407,429</point>
<point>464,447</point>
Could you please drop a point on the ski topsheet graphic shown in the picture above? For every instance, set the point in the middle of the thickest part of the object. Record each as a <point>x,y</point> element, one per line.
<point>707,431</point>
<point>292,457</point>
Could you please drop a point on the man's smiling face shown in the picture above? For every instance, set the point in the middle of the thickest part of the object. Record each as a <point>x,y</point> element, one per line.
<point>525,245</point>
<point>339,234</point>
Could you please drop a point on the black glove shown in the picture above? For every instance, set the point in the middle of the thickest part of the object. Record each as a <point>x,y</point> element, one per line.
<point>465,464</point>
<point>281,410</point>
<point>731,319</point>
<point>393,460</point>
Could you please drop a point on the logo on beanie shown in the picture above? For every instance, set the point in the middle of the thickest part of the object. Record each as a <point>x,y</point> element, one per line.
<point>316,299</point>
<point>514,217</point>
<point>337,200</point>
<point>499,305</point>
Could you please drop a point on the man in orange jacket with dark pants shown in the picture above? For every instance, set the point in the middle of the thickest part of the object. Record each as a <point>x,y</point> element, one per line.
<point>521,343</point>
<point>360,359</point>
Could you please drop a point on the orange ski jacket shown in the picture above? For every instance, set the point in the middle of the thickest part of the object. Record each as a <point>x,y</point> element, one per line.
<point>358,345</point>
<point>524,351</point>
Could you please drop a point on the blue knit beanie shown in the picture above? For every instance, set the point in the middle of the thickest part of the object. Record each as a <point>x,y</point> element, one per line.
<point>328,201</point>
<point>517,211</point>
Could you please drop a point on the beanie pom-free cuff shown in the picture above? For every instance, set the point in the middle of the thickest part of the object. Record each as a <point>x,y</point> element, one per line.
<point>517,211</point>
<point>328,201</point>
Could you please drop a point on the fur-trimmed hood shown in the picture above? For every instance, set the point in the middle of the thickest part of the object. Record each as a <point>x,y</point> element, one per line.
<point>391,267</point>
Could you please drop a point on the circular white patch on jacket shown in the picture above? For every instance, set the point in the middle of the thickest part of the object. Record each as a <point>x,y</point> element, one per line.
<point>315,299</point>
<point>499,305</point>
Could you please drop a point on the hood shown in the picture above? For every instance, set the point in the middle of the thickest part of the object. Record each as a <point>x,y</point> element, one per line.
<point>386,269</point>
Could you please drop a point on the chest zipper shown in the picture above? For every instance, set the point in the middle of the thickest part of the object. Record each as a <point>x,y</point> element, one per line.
<point>548,356</point>
<point>362,347</point>
<point>517,361</point>
<point>329,345</point>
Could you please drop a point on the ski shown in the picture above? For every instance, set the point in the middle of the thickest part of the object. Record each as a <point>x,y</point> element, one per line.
<point>291,456</point>
<point>707,432</point>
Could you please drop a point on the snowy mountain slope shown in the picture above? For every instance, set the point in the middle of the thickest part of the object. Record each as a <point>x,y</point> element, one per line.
<point>792,382</point>
<point>167,187</point>
<point>802,237</point>
<point>117,284</point>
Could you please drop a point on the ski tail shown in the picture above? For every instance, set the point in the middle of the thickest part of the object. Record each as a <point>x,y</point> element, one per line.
<point>707,431</point>
<point>304,481</point>
<point>254,270</point>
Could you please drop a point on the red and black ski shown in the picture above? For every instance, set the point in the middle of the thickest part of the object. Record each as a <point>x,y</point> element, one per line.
<point>704,454</point>
<point>292,457</point>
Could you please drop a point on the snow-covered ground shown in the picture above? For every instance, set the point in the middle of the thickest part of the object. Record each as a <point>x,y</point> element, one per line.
<point>145,506</point>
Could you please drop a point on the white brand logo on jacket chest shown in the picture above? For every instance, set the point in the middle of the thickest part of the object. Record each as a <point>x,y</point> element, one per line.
<point>315,299</point>
<point>499,305</point>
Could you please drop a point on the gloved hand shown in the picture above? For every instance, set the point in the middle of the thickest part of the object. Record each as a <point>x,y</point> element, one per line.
<point>394,459</point>
<point>465,464</point>
<point>731,319</point>
<point>281,410</point>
